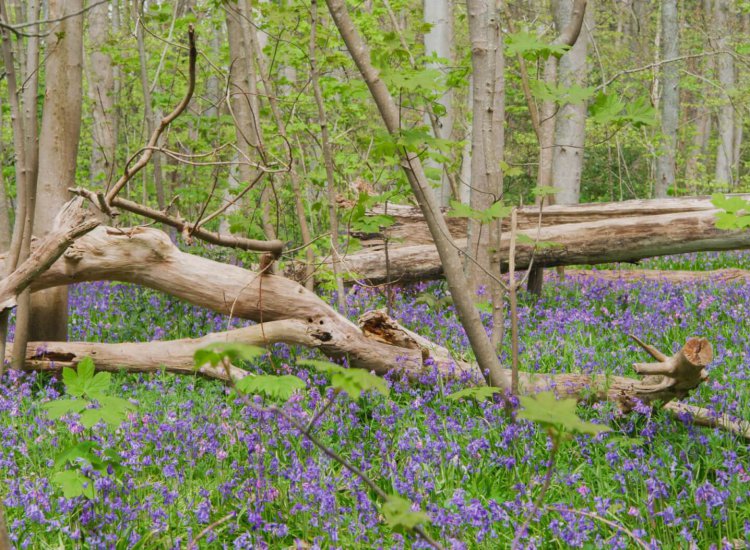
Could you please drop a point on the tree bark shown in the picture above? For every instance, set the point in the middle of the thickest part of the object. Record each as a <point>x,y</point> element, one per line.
<point>627,239</point>
<point>669,105</point>
<point>438,41</point>
<point>102,98</point>
<point>58,148</point>
<point>725,63</point>
<point>488,137</point>
<point>570,120</point>
<point>410,228</point>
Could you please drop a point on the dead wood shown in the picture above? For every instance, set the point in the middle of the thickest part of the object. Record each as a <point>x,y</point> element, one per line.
<point>72,222</point>
<point>727,275</point>
<point>624,239</point>
<point>291,314</point>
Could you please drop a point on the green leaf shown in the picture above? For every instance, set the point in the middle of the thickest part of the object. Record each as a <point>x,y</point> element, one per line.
<point>234,352</point>
<point>75,453</point>
<point>732,205</point>
<point>98,385</point>
<point>86,369</point>
<point>398,514</point>
<point>273,387</point>
<point>60,407</point>
<point>558,415</point>
<point>531,47</point>
<point>91,417</point>
<point>496,211</point>
<point>73,386</point>
<point>74,484</point>
<point>478,393</point>
<point>351,381</point>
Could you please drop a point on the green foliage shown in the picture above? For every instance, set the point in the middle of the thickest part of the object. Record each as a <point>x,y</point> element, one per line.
<point>495,212</point>
<point>531,47</point>
<point>558,416</point>
<point>736,213</point>
<point>90,389</point>
<point>361,221</point>
<point>399,516</point>
<point>477,393</point>
<point>233,352</point>
<point>272,387</point>
<point>351,381</point>
<point>610,109</point>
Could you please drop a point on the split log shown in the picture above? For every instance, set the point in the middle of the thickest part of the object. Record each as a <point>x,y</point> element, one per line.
<point>410,229</point>
<point>626,239</point>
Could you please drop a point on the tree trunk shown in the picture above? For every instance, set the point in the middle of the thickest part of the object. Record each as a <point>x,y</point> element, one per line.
<point>488,136</point>
<point>438,41</point>
<point>570,121</point>
<point>243,94</point>
<point>626,239</point>
<point>725,63</point>
<point>669,104</point>
<point>410,229</point>
<point>102,97</point>
<point>58,149</point>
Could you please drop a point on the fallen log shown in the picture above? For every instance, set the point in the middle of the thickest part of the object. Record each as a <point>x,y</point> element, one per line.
<point>626,239</point>
<point>410,229</point>
<point>727,275</point>
<point>288,313</point>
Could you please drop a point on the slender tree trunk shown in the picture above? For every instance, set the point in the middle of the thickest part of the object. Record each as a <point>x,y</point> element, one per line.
<point>488,135</point>
<point>58,148</point>
<point>151,122</point>
<point>669,104</point>
<point>327,160</point>
<point>452,265</point>
<point>570,122</point>
<point>5,226</point>
<point>102,97</point>
<point>725,63</point>
<point>244,103</point>
<point>438,41</point>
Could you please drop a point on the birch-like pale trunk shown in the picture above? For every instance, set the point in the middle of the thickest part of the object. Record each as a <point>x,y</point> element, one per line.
<point>102,98</point>
<point>412,166</point>
<point>488,136</point>
<point>439,41</point>
<point>243,99</point>
<point>58,150</point>
<point>570,121</point>
<point>669,104</point>
<point>725,69</point>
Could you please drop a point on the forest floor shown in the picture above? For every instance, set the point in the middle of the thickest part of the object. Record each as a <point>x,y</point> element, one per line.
<point>196,457</point>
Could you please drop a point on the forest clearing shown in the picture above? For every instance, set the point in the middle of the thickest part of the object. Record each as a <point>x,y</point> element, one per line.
<point>378,274</point>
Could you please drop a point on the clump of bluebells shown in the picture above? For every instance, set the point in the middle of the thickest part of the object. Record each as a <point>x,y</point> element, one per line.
<point>195,457</point>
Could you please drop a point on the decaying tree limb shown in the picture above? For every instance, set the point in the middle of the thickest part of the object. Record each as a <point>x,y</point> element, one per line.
<point>72,222</point>
<point>410,229</point>
<point>626,239</point>
<point>726,275</point>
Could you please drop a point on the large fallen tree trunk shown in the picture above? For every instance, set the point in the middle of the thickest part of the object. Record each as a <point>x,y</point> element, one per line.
<point>725,275</point>
<point>289,313</point>
<point>626,239</point>
<point>410,229</point>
